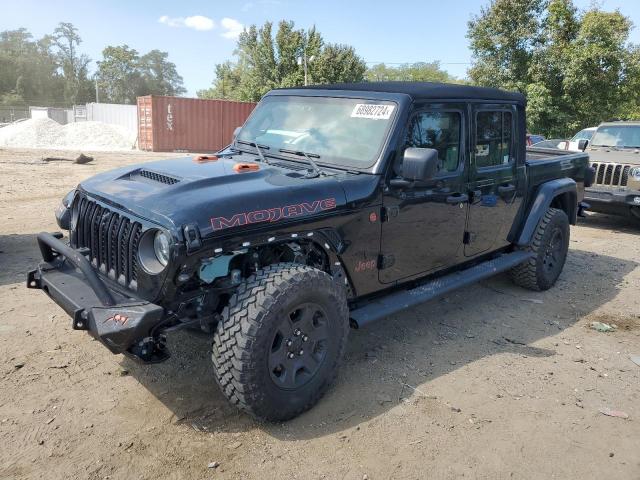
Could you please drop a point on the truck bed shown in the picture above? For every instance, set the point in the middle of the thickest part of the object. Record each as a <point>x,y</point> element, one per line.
<point>537,154</point>
<point>545,164</point>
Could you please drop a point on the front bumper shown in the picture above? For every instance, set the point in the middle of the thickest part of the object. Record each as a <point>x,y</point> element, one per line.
<point>612,201</point>
<point>123,324</point>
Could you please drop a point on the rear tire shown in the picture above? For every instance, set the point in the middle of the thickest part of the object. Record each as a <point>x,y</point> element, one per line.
<point>550,245</point>
<point>281,339</point>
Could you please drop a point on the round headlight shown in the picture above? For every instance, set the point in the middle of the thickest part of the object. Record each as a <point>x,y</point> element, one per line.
<point>635,173</point>
<point>161,247</point>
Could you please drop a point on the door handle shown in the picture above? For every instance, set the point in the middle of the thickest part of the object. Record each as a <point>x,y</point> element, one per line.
<point>506,188</point>
<point>458,198</point>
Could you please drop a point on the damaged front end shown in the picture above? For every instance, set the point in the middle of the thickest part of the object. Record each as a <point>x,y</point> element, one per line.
<point>124,324</point>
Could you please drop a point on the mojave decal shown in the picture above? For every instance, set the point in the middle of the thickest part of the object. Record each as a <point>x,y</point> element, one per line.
<point>273,214</point>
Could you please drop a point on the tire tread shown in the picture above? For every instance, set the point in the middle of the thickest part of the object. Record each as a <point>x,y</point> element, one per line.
<point>235,364</point>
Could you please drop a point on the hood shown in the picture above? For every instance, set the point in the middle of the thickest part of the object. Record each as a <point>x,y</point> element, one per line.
<point>609,155</point>
<point>215,197</point>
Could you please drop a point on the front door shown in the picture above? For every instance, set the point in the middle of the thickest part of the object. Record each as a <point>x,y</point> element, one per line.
<point>493,182</point>
<point>424,224</point>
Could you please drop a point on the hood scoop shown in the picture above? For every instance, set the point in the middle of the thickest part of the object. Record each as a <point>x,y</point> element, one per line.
<point>144,174</point>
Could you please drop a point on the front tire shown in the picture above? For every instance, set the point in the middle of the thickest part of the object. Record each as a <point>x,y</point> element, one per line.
<point>550,245</point>
<point>281,339</point>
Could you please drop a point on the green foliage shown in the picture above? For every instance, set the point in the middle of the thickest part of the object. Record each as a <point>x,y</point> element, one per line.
<point>265,61</point>
<point>502,39</point>
<point>123,75</point>
<point>416,72</point>
<point>118,75</point>
<point>74,65</point>
<point>576,68</point>
<point>53,72</point>
<point>29,70</point>
<point>159,75</point>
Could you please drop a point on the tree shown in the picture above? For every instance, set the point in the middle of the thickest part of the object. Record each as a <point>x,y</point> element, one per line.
<point>595,72</point>
<point>123,75</point>
<point>576,68</point>
<point>550,109</point>
<point>74,65</point>
<point>118,75</point>
<point>338,63</point>
<point>159,76</point>
<point>28,70</point>
<point>265,61</point>
<point>52,71</point>
<point>227,84</point>
<point>502,39</point>
<point>630,109</point>
<point>416,72</point>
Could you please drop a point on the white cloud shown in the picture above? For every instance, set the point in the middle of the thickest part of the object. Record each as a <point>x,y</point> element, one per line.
<point>196,22</point>
<point>232,28</point>
<point>199,22</point>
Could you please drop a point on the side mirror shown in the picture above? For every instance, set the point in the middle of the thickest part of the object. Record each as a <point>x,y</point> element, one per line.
<point>236,132</point>
<point>419,164</point>
<point>582,144</point>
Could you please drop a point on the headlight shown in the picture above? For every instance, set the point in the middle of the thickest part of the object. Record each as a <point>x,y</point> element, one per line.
<point>63,212</point>
<point>154,251</point>
<point>161,247</point>
<point>635,173</point>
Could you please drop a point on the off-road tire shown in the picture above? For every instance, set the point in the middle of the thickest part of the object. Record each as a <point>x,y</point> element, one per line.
<point>243,340</point>
<point>537,273</point>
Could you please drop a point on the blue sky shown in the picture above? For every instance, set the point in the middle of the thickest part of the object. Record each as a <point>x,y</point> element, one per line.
<point>200,33</point>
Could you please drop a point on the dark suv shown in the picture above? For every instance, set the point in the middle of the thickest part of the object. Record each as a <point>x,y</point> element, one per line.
<point>333,207</point>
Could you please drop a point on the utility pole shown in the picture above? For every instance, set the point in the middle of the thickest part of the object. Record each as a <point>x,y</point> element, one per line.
<point>303,61</point>
<point>97,97</point>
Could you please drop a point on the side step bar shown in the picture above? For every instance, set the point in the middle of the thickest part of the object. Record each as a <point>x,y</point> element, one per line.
<point>403,299</point>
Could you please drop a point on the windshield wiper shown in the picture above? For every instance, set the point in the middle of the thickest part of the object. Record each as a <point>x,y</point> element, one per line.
<point>258,149</point>
<point>318,172</point>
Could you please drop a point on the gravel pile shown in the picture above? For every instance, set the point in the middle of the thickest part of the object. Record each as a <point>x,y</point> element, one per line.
<point>47,133</point>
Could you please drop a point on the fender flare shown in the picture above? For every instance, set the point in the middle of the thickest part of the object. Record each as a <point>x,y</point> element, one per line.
<point>543,198</point>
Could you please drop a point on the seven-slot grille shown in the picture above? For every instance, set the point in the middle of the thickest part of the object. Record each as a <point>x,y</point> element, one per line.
<point>611,174</point>
<point>111,240</point>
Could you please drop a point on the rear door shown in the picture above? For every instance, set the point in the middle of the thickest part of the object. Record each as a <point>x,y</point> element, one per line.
<point>424,224</point>
<point>493,179</point>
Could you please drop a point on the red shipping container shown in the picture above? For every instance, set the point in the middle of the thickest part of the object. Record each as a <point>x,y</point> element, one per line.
<point>177,124</point>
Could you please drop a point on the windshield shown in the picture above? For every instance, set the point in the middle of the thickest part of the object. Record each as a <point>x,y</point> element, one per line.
<point>585,134</point>
<point>347,132</point>
<point>617,136</point>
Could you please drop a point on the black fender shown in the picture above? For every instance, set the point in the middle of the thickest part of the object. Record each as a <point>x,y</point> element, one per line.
<point>543,199</point>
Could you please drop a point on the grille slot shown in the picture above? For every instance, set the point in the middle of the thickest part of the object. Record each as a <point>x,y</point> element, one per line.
<point>111,239</point>
<point>158,177</point>
<point>611,174</point>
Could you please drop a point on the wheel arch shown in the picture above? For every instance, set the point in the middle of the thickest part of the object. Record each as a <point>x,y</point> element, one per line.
<point>561,194</point>
<point>328,241</point>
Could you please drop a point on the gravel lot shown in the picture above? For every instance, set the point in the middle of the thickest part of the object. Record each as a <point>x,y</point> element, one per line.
<point>489,382</point>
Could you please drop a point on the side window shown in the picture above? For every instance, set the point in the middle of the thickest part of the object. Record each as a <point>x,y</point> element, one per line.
<point>493,139</point>
<point>440,131</point>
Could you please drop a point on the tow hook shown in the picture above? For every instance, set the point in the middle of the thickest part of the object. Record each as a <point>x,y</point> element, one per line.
<point>150,350</point>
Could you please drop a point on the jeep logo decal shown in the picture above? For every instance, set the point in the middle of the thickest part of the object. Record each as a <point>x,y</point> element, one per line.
<point>273,214</point>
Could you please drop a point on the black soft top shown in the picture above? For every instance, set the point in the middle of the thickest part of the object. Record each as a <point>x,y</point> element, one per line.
<point>426,90</point>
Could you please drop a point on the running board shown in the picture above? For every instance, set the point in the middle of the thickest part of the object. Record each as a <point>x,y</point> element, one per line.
<point>397,301</point>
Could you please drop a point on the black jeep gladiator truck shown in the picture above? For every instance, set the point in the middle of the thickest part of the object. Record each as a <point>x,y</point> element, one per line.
<point>333,207</point>
<point>615,156</point>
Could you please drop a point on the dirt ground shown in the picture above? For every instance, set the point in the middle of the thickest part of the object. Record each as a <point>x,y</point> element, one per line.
<point>490,382</point>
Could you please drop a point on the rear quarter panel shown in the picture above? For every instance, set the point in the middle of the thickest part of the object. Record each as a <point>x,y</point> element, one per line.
<point>548,165</point>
